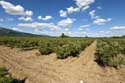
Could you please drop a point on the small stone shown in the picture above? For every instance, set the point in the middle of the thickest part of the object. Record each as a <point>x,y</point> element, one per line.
<point>81,81</point>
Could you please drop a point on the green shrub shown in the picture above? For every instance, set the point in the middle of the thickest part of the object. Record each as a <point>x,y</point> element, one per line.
<point>109,52</point>
<point>62,53</point>
<point>66,46</point>
<point>4,78</point>
<point>3,72</point>
<point>68,50</point>
<point>46,48</point>
<point>7,80</point>
<point>115,61</point>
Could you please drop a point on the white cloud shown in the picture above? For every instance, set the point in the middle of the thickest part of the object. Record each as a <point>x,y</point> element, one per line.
<point>1,20</point>
<point>38,30</point>
<point>39,17</point>
<point>63,13</point>
<point>14,9</point>
<point>78,34</point>
<point>99,7</point>
<point>69,32</point>
<point>84,3</point>
<point>84,27</point>
<point>30,25</point>
<point>16,29</point>
<point>66,22</point>
<point>39,25</point>
<point>101,21</point>
<point>10,19</point>
<point>25,18</point>
<point>80,29</point>
<point>85,33</point>
<point>118,28</point>
<point>92,14</point>
<point>85,8</point>
<point>81,5</point>
<point>66,29</point>
<point>97,20</point>
<point>113,31</point>
<point>45,18</point>
<point>104,32</point>
<point>71,10</point>
<point>29,13</point>
<point>101,31</point>
<point>6,19</point>
<point>107,32</point>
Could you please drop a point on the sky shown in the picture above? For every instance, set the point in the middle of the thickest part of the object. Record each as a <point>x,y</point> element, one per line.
<point>79,18</point>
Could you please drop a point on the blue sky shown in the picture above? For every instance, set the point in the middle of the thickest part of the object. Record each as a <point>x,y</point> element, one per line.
<point>72,17</point>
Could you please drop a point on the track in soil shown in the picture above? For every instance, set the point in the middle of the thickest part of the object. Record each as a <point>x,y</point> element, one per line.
<point>49,69</point>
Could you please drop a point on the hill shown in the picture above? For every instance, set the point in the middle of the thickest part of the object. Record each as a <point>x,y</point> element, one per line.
<point>9,32</point>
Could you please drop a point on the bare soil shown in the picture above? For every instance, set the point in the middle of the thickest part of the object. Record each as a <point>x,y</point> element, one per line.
<point>48,69</point>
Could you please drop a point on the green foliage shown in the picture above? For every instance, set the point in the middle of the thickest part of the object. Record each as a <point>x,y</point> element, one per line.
<point>4,78</point>
<point>115,61</point>
<point>7,80</point>
<point>64,47</point>
<point>3,72</point>
<point>62,53</point>
<point>68,50</point>
<point>46,48</point>
<point>110,52</point>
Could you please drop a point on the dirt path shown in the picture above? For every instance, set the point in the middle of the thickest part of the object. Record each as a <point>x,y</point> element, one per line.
<point>48,69</point>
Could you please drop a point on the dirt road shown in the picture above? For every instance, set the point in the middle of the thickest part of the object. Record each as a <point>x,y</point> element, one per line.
<point>49,69</point>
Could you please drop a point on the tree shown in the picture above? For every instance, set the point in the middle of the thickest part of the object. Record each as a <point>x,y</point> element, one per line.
<point>63,35</point>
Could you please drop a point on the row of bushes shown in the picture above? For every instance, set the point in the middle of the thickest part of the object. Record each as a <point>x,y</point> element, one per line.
<point>18,43</point>
<point>111,52</point>
<point>64,47</point>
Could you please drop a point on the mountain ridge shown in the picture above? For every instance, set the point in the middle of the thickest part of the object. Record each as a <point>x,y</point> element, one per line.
<point>9,32</point>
